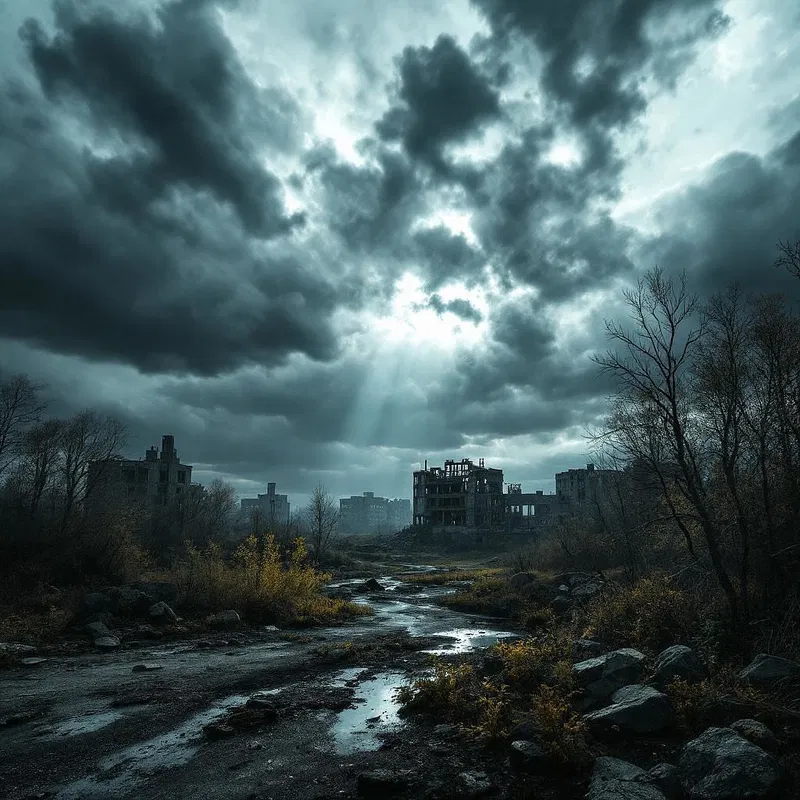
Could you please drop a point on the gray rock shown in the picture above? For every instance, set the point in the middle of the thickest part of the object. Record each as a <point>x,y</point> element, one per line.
<point>526,756</point>
<point>587,647</point>
<point>665,777</point>
<point>215,731</point>
<point>148,632</point>
<point>474,784</point>
<point>447,731</point>
<point>107,642</point>
<point>160,612</point>
<point>757,733</point>
<point>127,601</point>
<point>722,765</point>
<point>766,671</point>
<point>33,661</point>
<point>147,667</point>
<point>97,630</point>
<point>605,674</point>
<point>633,709</point>
<point>224,620</point>
<point>586,591</point>
<point>614,779</point>
<point>380,782</point>
<point>369,585</point>
<point>678,661</point>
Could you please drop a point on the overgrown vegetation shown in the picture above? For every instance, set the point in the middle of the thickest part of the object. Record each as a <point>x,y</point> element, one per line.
<point>259,583</point>
<point>452,576</point>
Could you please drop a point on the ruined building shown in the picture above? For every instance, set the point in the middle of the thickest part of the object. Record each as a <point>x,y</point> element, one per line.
<point>160,479</point>
<point>460,494</point>
<point>371,514</point>
<point>577,486</point>
<point>272,508</point>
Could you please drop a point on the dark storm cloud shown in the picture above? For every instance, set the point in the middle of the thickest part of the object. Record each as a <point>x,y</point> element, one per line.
<point>726,228</point>
<point>460,307</point>
<point>444,99</point>
<point>179,90</point>
<point>596,50</point>
<point>145,255</point>
<point>536,220</point>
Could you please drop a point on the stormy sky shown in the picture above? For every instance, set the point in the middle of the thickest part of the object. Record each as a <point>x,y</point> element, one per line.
<point>324,240</point>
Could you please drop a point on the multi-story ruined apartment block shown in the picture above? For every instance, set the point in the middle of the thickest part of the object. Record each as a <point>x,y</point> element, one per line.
<point>529,510</point>
<point>160,479</point>
<point>576,486</point>
<point>370,514</point>
<point>461,493</point>
<point>272,508</point>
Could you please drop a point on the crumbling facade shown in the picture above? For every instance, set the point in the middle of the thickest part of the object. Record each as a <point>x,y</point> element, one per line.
<point>274,509</point>
<point>160,479</point>
<point>371,514</point>
<point>459,494</point>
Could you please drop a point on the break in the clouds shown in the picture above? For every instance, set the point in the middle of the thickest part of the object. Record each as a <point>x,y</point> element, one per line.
<point>325,240</point>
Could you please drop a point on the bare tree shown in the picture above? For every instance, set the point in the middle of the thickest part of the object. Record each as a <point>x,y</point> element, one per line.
<point>219,509</point>
<point>789,257</point>
<point>20,407</point>
<point>85,438</point>
<point>321,521</point>
<point>653,419</point>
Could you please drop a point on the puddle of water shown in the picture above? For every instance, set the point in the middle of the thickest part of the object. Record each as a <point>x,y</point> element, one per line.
<point>133,765</point>
<point>356,729</point>
<point>341,679</point>
<point>468,639</point>
<point>85,724</point>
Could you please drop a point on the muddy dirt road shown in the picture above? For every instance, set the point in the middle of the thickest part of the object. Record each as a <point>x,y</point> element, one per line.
<point>130,723</point>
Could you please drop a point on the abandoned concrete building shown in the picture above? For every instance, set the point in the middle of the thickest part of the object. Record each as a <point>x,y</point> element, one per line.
<point>528,510</point>
<point>370,514</point>
<point>273,508</point>
<point>160,479</point>
<point>576,486</point>
<point>459,494</point>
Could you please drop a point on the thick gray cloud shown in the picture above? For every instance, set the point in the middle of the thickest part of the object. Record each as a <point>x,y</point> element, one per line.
<point>201,236</point>
<point>151,253</point>
<point>444,99</point>
<point>726,228</point>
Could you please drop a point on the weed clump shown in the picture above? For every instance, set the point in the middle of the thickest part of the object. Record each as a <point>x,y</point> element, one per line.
<point>652,613</point>
<point>260,584</point>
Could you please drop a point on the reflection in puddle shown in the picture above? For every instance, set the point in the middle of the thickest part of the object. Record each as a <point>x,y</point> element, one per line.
<point>341,679</point>
<point>357,729</point>
<point>468,639</point>
<point>135,764</point>
<point>85,724</point>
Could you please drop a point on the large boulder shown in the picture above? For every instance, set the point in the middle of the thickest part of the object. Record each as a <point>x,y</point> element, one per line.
<point>97,630</point>
<point>678,661</point>
<point>633,709</point>
<point>369,585</point>
<point>602,676</point>
<point>614,779</point>
<point>722,765</point>
<point>107,643</point>
<point>765,671</point>
<point>224,620</point>
<point>586,591</point>
<point>666,778</point>
<point>757,733</point>
<point>527,756</point>
<point>161,613</point>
